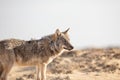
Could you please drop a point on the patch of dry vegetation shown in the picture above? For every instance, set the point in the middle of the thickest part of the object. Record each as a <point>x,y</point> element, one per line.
<point>90,60</point>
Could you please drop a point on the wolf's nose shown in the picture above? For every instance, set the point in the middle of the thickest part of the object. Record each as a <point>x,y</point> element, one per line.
<point>71,47</point>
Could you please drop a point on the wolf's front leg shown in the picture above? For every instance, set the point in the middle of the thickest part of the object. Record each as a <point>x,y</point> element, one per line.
<point>38,72</point>
<point>43,71</point>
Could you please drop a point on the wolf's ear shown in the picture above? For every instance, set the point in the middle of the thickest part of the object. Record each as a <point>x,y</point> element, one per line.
<point>57,33</point>
<point>65,32</point>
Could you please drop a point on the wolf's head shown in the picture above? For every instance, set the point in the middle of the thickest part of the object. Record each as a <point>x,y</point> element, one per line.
<point>62,39</point>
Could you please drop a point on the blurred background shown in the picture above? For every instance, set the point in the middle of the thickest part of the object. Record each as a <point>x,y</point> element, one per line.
<point>93,23</point>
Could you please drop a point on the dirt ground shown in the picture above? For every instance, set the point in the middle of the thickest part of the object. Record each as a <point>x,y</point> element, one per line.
<point>85,64</point>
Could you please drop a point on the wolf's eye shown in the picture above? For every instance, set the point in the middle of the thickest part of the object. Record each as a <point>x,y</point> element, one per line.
<point>65,41</point>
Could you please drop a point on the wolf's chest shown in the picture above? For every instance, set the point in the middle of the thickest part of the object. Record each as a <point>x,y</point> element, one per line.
<point>53,57</point>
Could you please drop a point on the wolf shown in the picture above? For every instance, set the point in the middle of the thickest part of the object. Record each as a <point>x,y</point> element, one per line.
<point>37,53</point>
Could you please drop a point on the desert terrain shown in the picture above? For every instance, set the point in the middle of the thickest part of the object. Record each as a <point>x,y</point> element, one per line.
<point>83,64</point>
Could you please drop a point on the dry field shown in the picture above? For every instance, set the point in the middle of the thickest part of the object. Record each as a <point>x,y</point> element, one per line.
<point>86,64</point>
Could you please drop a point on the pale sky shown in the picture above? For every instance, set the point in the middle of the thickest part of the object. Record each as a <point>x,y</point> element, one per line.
<point>91,22</point>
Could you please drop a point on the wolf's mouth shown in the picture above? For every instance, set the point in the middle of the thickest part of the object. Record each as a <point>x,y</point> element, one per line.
<point>68,48</point>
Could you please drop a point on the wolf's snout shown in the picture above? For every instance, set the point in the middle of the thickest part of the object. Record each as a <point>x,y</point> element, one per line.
<point>71,47</point>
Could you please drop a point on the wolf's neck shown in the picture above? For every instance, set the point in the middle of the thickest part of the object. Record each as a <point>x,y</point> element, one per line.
<point>52,48</point>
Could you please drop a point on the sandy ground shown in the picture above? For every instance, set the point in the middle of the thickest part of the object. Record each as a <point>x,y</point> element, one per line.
<point>86,64</point>
<point>30,75</point>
